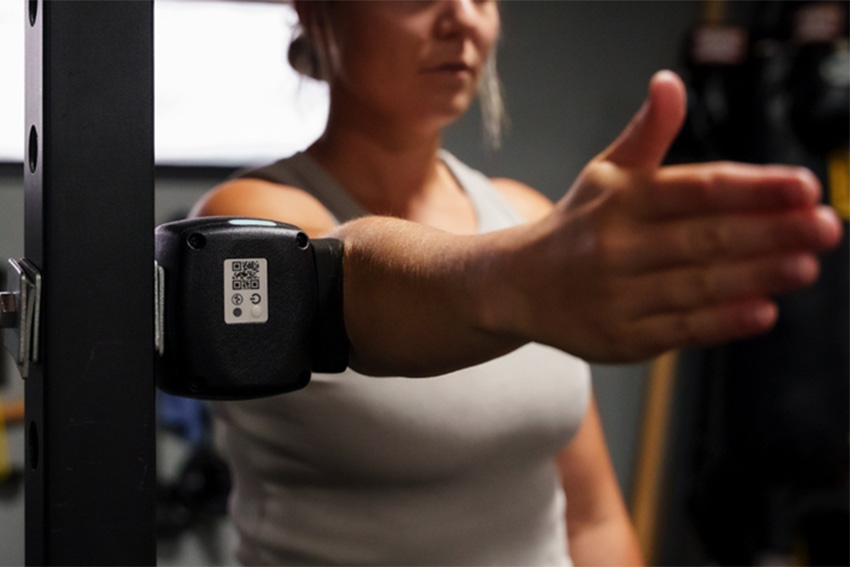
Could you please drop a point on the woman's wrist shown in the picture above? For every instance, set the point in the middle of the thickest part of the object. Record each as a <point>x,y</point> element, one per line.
<point>498,268</point>
<point>419,301</point>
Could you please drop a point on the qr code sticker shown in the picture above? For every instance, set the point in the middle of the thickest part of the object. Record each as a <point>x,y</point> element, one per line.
<point>246,294</point>
<point>245,275</point>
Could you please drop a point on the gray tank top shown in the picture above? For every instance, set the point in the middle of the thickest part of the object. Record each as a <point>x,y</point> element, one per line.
<point>453,470</point>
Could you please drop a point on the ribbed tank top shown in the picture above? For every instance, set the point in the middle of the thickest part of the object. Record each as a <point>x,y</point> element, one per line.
<point>452,470</point>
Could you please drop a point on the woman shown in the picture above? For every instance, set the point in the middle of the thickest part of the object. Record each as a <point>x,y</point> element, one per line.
<point>501,462</point>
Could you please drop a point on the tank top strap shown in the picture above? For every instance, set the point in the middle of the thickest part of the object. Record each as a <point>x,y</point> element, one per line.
<point>303,172</point>
<point>493,210</point>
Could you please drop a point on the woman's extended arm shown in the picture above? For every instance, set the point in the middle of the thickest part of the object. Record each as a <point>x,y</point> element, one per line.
<point>635,260</point>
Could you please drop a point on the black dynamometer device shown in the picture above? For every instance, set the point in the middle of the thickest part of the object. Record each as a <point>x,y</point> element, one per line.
<point>245,308</point>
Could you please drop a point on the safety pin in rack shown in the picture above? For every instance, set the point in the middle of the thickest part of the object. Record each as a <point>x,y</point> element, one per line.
<point>20,313</point>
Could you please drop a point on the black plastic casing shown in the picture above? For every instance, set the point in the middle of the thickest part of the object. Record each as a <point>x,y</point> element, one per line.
<point>204,357</point>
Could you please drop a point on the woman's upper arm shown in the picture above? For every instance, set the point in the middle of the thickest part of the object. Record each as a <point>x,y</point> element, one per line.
<point>265,200</point>
<point>598,525</point>
<point>586,469</point>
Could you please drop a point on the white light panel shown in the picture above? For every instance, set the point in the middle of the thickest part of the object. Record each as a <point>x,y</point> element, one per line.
<point>224,93</point>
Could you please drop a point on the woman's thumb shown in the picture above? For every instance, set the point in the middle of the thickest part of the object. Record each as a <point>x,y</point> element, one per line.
<point>646,140</point>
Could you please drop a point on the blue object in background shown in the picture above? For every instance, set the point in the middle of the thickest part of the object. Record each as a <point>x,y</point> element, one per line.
<point>188,418</point>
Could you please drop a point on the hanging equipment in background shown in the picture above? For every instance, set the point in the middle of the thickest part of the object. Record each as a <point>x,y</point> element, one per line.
<point>771,452</point>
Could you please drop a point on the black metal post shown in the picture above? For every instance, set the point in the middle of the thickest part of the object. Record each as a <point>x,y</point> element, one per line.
<point>90,477</point>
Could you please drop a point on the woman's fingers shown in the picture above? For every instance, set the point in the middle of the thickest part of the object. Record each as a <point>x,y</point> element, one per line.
<point>700,327</point>
<point>694,288</point>
<point>700,189</point>
<point>653,258</point>
<point>705,240</point>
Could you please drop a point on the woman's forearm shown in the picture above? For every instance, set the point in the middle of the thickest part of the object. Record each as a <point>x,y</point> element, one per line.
<point>416,298</point>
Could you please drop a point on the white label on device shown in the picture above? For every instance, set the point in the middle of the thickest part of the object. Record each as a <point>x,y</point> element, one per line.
<point>246,297</point>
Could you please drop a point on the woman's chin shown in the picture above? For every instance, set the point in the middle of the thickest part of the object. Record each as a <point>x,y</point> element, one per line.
<point>449,110</point>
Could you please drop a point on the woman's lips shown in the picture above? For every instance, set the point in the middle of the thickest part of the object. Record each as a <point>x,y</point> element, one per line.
<point>451,67</point>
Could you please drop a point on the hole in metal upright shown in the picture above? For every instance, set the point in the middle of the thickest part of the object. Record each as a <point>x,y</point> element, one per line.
<point>33,149</point>
<point>33,11</point>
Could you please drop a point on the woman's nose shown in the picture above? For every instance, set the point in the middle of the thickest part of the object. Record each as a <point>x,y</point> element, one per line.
<point>459,17</point>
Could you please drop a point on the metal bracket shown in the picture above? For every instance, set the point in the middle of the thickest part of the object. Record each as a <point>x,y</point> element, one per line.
<point>20,313</point>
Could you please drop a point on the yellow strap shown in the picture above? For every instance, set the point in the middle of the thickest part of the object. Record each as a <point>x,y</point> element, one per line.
<point>649,473</point>
<point>839,182</point>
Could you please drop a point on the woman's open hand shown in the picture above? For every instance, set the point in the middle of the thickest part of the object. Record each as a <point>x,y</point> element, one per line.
<point>638,258</point>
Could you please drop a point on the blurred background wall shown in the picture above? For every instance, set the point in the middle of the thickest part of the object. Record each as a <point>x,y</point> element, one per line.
<point>574,73</point>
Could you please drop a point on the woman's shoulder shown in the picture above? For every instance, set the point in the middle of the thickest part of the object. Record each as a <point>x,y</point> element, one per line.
<point>258,198</point>
<point>528,202</point>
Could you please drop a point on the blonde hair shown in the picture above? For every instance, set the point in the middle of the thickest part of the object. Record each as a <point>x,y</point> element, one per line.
<point>494,116</point>
<point>314,53</point>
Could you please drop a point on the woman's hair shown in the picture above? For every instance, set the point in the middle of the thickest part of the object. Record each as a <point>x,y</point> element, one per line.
<point>314,53</point>
<point>494,117</point>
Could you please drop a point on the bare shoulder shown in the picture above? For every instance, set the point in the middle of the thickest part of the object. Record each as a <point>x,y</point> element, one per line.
<point>256,198</point>
<point>530,203</point>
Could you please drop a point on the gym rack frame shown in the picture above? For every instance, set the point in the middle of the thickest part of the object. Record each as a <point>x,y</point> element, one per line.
<point>89,178</point>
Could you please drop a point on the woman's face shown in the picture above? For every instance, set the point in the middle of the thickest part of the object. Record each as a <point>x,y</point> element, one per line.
<point>414,60</point>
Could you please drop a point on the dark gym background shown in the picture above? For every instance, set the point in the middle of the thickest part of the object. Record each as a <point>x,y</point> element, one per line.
<point>755,467</point>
